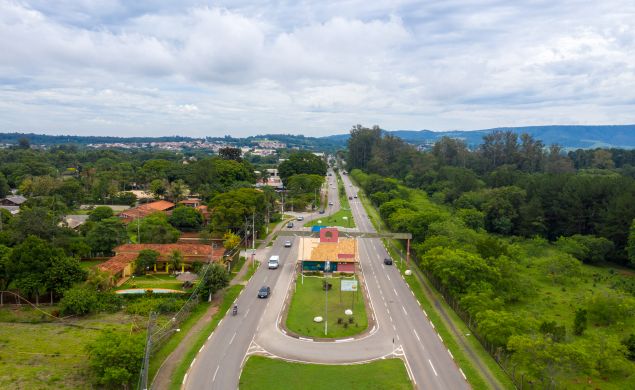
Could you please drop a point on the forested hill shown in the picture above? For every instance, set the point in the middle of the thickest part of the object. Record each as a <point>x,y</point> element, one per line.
<point>569,137</point>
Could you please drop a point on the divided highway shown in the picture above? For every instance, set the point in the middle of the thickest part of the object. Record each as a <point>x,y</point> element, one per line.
<point>401,328</point>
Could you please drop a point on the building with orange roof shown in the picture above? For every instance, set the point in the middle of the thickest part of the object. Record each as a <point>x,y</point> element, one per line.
<point>142,211</point>
<point>122,263</point>
<point>340,253</point>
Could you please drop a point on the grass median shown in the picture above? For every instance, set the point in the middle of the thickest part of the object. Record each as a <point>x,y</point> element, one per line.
<point>308,301</point>
<point>274,374</point>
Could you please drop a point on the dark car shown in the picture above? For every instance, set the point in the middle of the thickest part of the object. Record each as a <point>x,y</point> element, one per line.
<point>264,292</point>
<point>350,198</point>
<point>290,225</point>
<point>388,261</point>
<point>321,211</point>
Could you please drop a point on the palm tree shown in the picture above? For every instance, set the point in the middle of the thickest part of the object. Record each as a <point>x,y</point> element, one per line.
<point>175,258</point>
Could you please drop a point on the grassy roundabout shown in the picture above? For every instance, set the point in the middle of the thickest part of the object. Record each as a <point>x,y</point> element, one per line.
<point>265,373</point>
<point>308,301</point>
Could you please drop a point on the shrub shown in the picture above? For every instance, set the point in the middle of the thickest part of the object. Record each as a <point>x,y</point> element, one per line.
<point>78,300</point>
<point>115,358</point>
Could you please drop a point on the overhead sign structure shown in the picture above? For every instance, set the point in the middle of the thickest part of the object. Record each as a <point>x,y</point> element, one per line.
<point>349,285</point>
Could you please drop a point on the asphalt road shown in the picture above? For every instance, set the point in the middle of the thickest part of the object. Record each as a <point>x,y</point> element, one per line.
<point>401,327</point>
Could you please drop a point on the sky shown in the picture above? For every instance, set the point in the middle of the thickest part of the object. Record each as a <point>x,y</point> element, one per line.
<point>212,68</point>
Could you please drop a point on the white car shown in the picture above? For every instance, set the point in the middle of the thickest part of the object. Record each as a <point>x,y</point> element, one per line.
<point>287,244</point>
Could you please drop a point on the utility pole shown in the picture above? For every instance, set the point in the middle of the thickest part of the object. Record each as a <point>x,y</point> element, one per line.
<point>253,239</point>
<point>146,357</point>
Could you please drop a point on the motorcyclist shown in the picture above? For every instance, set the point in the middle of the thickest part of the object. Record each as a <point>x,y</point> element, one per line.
<point>235,311</point>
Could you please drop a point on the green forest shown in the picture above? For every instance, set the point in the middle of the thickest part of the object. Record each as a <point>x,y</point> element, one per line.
<point>532,246</point>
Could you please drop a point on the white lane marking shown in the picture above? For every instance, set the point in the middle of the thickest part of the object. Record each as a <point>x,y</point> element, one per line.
<point>404,310</point>
<point>232,339</point>
<point>215,372</point>
<point>440,337</point>
<point>464,377</point>
<point>416,335</point>
<point>394,328</point>
<point>305,339</point>
<point>247,312</point>
<point>451,354</point>
<point>390,318</point>
<point>388,277</point>
<point>432,324</point>
<point>395,291</point>
<point>185,378</point>
<point>202,346</point>
<point>424,312</point>
<point>344,340</point>
<point>191,364</point>
<point>435,371</point>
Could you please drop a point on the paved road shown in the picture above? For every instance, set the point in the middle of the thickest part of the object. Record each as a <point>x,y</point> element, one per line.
<point>401,328</point>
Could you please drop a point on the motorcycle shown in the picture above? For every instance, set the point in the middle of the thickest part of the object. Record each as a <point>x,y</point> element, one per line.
<point>235,310</point>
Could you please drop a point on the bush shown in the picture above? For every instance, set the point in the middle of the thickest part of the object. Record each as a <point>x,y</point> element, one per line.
<point>78,300</point>
<point>115,358</point>
<point>147,304</point>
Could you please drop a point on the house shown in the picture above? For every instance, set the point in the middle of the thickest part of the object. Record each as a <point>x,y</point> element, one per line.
<point>12,209</point>
<point>122,263</point>
<point>13,200</point>
<point>74,221</point>
<point>192,202</point>
<point>340,254</point>
<point>146,209</point>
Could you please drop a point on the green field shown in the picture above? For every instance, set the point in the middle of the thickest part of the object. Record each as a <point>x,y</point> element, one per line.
<point>335,220</point>
<point>308,301</point>
<point>273,374</point>
<point>153,281</point>
<point>50,355</point>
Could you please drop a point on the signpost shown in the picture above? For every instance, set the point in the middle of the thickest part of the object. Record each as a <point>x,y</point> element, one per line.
<point>349,285</point>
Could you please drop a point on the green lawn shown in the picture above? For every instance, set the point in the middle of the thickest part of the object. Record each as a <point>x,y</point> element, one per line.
<point>50,355</point>
<point>87,264</point>
<point>153,281</point>
<point>308,302</point>
<point>273,374</point>
<point>335,220</point>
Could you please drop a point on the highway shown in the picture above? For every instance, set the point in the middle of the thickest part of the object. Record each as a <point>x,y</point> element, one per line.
<point>400,328</point>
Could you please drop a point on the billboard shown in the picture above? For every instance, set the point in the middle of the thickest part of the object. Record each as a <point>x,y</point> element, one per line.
<point>349,285</point>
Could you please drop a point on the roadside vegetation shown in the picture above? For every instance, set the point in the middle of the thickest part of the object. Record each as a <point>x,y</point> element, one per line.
<point>528,247</point>
<point>308,302</point>
<point>265,373</point>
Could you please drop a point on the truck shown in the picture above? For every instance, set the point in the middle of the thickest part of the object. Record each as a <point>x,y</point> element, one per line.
<point>274,261</point>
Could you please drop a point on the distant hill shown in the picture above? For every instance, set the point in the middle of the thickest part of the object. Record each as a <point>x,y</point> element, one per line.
<point>570,137</point>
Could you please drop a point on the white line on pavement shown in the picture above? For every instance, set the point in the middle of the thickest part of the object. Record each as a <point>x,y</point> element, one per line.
<point>464,377</point>
<point>451,354</point>
<point>232,339</point>
<point>435,371</point>
<point>191,364</point>
<point>215,372</point>
<point>440,337</point>
<point>404,310</point>
<point>395,291</point>
<point>416,335</point>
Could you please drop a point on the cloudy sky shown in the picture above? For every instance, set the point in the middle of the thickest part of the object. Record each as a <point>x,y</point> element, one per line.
<point>244,67</point>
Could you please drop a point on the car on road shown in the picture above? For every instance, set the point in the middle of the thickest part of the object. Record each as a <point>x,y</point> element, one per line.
<point>330,203</point>
<point>300,218</point>
<point>355,196</point>
<point>321,211</point>
<point>388,261</point>
<point>287,244</point>
<point>264,292</point>
<point>290,225</point>
<point>274,262</point>
<point>350,198</point>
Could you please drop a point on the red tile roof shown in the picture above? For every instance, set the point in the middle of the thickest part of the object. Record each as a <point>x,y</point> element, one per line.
<point>117,263</point>
<point>195,251</point>
<point>159,205</point>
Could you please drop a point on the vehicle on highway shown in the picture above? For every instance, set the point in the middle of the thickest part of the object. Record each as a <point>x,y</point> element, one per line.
<point>274,262</point>
<point>264,292</point>
<point>388,261</point>
<point>290,225</point>
<point>355,196</point>
<point>300,218</point>
<point>350,198</point>
<point>235,310</point>
<point>321,211</point>
<point>330,203</point>
<point>287,244</point>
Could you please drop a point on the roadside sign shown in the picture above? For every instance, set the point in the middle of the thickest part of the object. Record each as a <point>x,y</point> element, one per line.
<point>349,285</point>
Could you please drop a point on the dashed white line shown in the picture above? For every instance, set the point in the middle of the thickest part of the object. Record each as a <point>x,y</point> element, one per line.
<point>461,371</point>
<point>388,277</point>
<point>395,291</point>
<point>191,364</point>
<point>404,310</point>
<point>440,337</point>
<point>215,372</point>
<point>451,354</point>
<point>433,370</point>
<point>416,335</point>
<point>232,339</point>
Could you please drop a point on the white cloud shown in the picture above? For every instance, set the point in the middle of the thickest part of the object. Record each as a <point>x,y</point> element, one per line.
<point>115,66</point>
